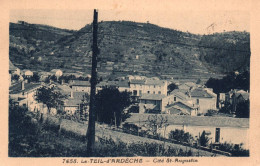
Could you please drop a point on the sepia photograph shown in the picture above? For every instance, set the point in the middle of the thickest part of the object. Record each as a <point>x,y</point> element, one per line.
<point>128,83</point>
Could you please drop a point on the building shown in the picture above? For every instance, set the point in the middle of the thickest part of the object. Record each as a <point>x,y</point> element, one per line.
<point>56,72</point>
<point>148,86</point>
<point>154,102</point>
<point>27,73</point>
<point>80,86</point>
<point>182,108</point>
<point>24,94</point>
<point>204,98</point>
<point>72,104</point>
<point>121,85</point>
<point>13,69</point>
<point>218,129</point>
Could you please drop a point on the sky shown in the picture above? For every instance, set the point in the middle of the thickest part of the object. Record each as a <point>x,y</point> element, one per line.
<point>198,22</point>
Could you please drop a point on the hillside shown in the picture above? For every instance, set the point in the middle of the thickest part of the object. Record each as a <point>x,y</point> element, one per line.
<point>129,48</point>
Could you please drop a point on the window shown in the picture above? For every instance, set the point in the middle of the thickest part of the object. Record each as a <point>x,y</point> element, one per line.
<point>154,86</point>
<point>148,92</point>
<point>174,99</point>
<point>153,92</point>
<point>198,101</point>
<point>135,92</point>
<point>140,92</point>
<point>159,92</point>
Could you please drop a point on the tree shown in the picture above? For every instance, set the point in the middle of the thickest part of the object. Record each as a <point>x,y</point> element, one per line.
<point>171,87</point>
<point>83,106</point>
<point>48,96</point>
<point>203,140</point>
<point>34,78</point>
<point>243,110</point>
<point>110,104</point>
<point>181,136</point>
<point>155,122</point>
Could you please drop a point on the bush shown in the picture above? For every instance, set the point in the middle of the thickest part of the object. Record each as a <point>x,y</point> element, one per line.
<point>235,150</point>
<point>180,135</point>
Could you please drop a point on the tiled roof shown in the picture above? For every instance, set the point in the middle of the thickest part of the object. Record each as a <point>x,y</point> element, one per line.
<point>195,120</point>
<point>152,96</point>
<point>245,96</point>
<point>180,94</point>
<point>135,81</point>
<point>154,82</point>
<point>79,83</point>
<point>201,93</point>
<point>11,66</point>
<point>113,84</point>
<point>17,88</point>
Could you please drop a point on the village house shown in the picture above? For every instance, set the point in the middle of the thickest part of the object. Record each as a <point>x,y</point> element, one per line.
<point>80,86</point>
<point>204,98</point>
<point>13,69</point>
<point>182,108</point>
<point>72,104</point>
<point>154,102</point>
<point>121,85</point>
<point>149,86</point>
<point>27,73</point>
<point>56,72</point>
<point>218,129</point>
<point>24,94</point>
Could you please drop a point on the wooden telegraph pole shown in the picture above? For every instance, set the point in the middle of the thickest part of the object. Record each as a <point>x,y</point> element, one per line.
<point>93,81</point>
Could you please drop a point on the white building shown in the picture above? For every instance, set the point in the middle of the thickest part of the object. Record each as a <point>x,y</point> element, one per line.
<point>56,72</point>
<point>148,86</point>
<point>24,94</point>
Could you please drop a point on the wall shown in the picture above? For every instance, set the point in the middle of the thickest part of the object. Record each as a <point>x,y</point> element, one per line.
<point>233,135</point>
<point>81,88</point>
<point>205,104</point>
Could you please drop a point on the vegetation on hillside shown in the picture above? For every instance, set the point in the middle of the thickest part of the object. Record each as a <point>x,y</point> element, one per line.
<point>135,48</point>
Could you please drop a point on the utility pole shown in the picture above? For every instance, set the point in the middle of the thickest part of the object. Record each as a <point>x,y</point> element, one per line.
<point>93,81</point>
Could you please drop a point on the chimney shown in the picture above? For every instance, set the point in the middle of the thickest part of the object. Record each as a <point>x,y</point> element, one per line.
<point>22,85</point>
<point>71,94</point>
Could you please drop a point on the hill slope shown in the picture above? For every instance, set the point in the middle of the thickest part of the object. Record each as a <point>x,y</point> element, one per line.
<point>135,48</point>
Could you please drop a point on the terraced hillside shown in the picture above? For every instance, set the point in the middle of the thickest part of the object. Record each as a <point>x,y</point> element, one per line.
<point>132,48</point>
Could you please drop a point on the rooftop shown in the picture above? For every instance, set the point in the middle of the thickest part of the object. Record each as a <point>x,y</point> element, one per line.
<point>11,66</point>
<point>79,83</point>
<point>146,96</point>
<point>201,93</point>
<point>17,88</point>
<point>113,83</point>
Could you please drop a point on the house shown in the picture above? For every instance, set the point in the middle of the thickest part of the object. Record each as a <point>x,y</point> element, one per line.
<point>24,94</point>
<point>56,72</point>
<point>188,86</point>
<point>237,97</point>
<point>219,129</point>
<point>27,73</point>
<point>80,86</point>
<point>72,104</point>
<point>154,103</point>
<point>13,69</point>
<point>221,100</point>
<point>44,75</point>
<point>204,98</point>
<point>121,85</point>
<point>182,108</point>
<point>149,86</point>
